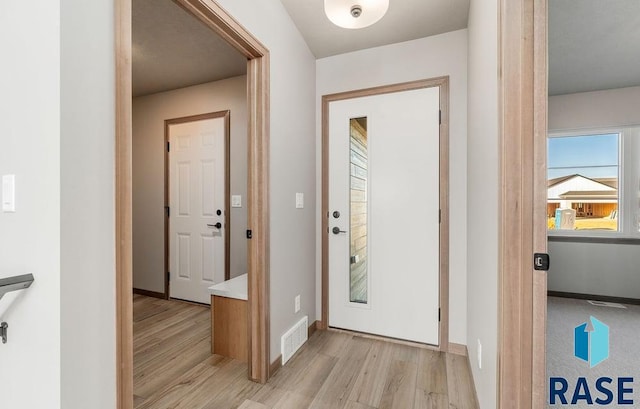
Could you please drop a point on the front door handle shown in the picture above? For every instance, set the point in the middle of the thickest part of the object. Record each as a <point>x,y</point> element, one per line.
<point>217,225</point>
<point>336,230</point>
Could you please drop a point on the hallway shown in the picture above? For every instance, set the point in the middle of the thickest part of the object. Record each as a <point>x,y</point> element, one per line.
<point>174,369</point>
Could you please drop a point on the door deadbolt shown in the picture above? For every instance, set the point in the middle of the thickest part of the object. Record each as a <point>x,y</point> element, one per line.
<point>336,214</point>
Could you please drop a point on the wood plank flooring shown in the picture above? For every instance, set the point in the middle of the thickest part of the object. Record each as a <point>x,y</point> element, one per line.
<point>173,368</point>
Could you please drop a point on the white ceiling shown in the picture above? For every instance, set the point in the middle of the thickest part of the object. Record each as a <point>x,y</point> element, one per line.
<point>593,45</point>
<point>405,20</point>
<point>171,49</point>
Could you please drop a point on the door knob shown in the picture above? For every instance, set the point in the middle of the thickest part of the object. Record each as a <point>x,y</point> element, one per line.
<point>336,230</point>
<point>217,225</point>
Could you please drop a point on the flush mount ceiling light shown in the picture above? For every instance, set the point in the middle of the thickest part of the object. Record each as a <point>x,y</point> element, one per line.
<point>355,13</point>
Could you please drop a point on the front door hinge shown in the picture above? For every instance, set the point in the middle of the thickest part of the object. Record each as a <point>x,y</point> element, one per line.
<point>439,215</point>
<point>168,211</point>
<point>440,117</point>
<point>439,315</point>
<point>168,147</point>
<point>249,234</point>
<point>168,276</point>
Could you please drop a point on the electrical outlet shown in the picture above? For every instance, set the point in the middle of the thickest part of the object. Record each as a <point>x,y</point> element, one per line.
<point>479,354</point>
<point>297,304</point>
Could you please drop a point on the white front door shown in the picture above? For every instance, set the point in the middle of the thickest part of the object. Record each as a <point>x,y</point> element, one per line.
<point>197,207</point>
<point>384,214</point>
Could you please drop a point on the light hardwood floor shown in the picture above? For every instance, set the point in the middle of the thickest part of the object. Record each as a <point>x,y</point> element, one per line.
<point>173,368</point>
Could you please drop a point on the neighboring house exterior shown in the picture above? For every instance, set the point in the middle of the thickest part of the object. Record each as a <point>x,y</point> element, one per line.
<point>596,197</point>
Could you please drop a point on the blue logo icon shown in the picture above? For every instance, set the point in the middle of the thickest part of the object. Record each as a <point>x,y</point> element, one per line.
<point>591,342</point>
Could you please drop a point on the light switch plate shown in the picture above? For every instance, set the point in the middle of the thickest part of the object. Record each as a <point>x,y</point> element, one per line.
<point>8,193</point>
<point>236,201</point>
<point>299,200</point>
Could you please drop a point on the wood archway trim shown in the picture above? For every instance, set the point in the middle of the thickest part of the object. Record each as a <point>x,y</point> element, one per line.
<point>222,23</point>
<point>523,192</point>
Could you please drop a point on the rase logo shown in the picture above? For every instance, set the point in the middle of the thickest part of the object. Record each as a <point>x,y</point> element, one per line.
<point>591,344</point>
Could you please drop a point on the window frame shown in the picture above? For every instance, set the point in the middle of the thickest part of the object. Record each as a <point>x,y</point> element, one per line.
<point>628,182</point>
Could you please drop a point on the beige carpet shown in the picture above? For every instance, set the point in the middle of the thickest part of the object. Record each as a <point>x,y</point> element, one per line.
<point>564,314</point>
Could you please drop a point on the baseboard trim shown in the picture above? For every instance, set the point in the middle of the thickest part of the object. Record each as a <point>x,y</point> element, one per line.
<point>458,349</point>
<point>312,328</point>
<point>605,298</point>
<point>275,366</point>
<point>148,293</point>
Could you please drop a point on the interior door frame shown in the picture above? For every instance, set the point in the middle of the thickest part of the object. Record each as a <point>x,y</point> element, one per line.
<point>443,84</point>
<point>227,189</point>
<point>523,193</point>
<point>222,23</point>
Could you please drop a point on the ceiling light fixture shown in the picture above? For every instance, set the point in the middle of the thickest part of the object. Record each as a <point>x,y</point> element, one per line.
<point>355,13</point>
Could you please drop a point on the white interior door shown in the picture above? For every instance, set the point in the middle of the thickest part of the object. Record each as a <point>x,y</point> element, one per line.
<point>384,207</point>
<point>197,203</point>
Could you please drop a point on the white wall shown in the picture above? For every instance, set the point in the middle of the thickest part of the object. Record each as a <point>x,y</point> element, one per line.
<point>615,107</point>
<point>292,160</point>
<point>57,101</point>
<point>580,267</point>
<point>29,238</point>
<point>595,268</point>
<point>149,114</point>
<point>87,236</point>
<point>483,192</point>
<point>424,58</point>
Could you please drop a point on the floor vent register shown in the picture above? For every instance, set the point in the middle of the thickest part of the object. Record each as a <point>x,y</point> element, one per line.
<point>293,339</point>
<point>606,304</point>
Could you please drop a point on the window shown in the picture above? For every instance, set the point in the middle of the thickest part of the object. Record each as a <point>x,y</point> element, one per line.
<point>594,183</point>
<point>583,175</point>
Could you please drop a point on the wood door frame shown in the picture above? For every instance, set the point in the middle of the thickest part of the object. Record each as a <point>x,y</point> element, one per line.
<point>443,84</point>
<point>227,188</point>
<point>523,192</point>
<point>222,23</point>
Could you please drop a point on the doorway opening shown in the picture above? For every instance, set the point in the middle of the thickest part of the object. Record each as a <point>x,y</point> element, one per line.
<point>352,228</point>
<point>222,24</point>
<point>593,173</point>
